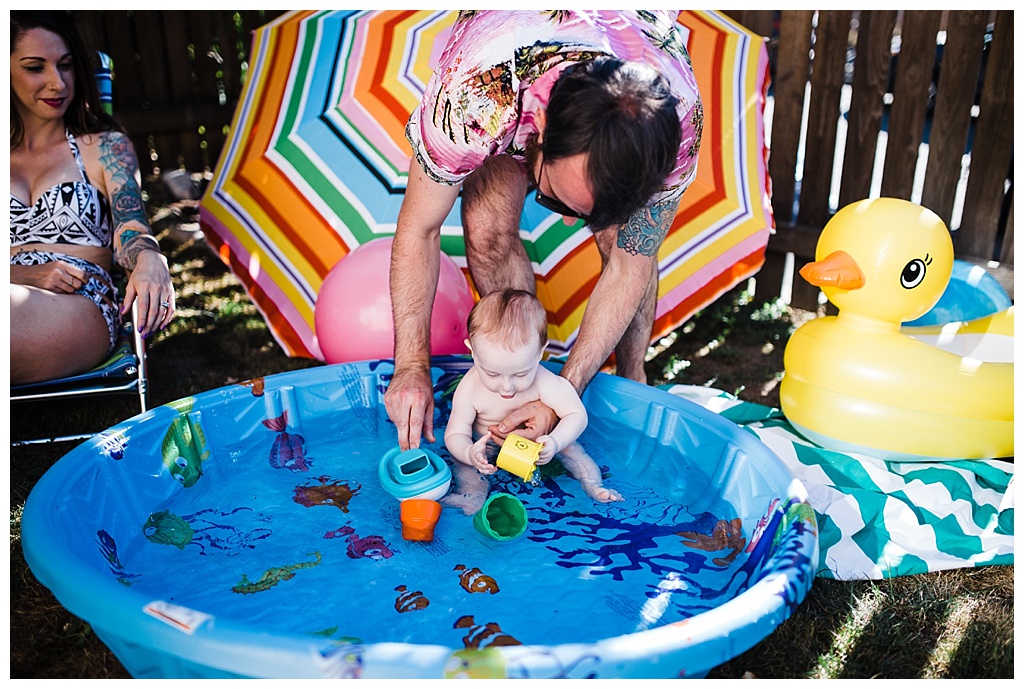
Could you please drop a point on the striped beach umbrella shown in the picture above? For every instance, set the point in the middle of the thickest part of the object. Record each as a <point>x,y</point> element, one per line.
<point>317,163</point>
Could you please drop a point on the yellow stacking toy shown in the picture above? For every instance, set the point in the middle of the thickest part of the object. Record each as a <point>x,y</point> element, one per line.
<point>519,456</point>
<point>859,382</point>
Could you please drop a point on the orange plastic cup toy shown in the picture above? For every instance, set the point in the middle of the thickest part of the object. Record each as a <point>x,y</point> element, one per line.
<point>419,517</point>
<point>519,456</point>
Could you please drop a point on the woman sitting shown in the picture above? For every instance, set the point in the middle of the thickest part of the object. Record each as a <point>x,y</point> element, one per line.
<point>76,206</point>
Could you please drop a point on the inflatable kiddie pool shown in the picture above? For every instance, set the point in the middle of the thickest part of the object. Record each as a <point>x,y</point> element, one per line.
<point>243,532</point>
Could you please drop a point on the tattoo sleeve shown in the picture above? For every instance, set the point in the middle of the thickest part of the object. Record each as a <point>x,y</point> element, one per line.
<point>131,223</point>
<point>646,229</point>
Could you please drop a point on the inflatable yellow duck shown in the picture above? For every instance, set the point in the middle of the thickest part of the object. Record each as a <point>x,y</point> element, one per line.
<point>858,382</point>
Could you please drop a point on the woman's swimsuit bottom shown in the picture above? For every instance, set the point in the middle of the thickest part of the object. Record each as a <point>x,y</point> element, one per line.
<point>98,287</point>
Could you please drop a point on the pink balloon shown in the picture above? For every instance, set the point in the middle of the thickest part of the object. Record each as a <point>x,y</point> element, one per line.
<point>352,316</point>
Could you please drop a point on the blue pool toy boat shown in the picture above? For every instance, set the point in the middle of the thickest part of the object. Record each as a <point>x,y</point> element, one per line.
<point>414,473</point>
<point>245,532</point>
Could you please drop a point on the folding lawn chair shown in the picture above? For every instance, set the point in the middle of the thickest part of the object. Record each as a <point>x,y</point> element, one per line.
<point>124,372</point>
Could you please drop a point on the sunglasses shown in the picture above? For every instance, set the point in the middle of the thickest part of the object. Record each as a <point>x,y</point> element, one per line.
<point>553,204</point>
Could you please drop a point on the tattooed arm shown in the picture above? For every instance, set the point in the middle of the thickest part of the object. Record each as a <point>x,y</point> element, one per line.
<point>619,313</point>
<point>621,307</point>
<point>131,224</point>
<point>135,247</point>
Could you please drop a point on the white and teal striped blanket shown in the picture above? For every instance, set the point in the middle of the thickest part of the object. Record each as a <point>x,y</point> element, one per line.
<point>879,519</point>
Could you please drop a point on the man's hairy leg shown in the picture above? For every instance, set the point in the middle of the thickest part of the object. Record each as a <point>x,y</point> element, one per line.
<point>492,203</point>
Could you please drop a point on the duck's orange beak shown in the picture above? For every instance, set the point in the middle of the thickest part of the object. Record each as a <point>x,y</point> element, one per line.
<point>838,269</point>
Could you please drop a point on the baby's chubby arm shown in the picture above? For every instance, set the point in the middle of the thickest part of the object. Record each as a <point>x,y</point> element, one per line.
<point>458,436</point>
<point>559,394</point>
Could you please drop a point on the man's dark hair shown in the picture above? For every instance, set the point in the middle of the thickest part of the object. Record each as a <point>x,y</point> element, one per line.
<point>84,114</point>
<point>623,116</point>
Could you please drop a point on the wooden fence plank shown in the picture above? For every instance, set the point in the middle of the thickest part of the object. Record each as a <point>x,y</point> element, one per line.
<point>910,101</point>
<point>870,79</point>
<point>951,119</point>
<point>790,85</point>
<point>1006,252</point>
<point>827,72</point>
<point>992,152</point>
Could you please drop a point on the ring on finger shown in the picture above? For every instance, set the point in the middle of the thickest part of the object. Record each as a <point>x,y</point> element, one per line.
<point>165,305</point>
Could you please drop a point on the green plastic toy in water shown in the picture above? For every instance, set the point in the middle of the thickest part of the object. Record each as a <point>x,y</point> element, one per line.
<point>503,517</point>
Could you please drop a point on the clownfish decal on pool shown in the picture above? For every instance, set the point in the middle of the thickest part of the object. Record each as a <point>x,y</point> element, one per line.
<point>475,581</point>
<point>408,601</point>
<point>273,576</point>
<point>373,547</point>
<point>727,535</point>
<point>288,450</point>
<point>483,635</point>
<point>184,447</point>
<point>255,386</point>
<point>762,524</point>
<point>337,494</point>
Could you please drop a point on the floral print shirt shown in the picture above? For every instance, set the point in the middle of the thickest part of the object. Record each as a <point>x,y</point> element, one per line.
<point>499,66</point>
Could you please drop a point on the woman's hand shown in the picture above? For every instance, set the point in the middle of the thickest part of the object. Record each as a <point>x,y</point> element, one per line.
<point>150,284</point>
<point>56,276</point>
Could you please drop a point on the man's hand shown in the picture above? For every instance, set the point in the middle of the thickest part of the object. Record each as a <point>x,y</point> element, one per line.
<point>409,401</point>
<point>531,421</point>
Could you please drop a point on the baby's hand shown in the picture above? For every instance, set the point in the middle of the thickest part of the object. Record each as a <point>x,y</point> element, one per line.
<point>478,455</point>
<point>549,447</point>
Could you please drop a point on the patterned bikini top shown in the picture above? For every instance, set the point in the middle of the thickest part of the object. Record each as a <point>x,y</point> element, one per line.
<point>66,213</point>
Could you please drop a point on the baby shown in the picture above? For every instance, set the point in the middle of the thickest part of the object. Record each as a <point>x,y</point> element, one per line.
<point>507,337</point>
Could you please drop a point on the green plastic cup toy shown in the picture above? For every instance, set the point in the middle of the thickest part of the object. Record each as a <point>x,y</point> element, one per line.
<point>503,517</point>
<point>519,456</point>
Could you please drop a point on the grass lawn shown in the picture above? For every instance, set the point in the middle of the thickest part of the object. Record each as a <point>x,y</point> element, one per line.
<point>953,624</point>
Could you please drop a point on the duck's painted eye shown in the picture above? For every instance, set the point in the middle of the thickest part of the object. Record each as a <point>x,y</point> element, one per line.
<point>913,274</point>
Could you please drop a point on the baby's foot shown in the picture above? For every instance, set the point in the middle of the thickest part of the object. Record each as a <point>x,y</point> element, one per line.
<point>470,490</point>
<point>469,503</point>
<point>597,491</point>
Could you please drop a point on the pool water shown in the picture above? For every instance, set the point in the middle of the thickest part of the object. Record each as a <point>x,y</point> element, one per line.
<point>259,505</point>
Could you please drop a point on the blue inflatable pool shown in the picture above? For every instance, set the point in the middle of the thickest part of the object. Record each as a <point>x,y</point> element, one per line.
<point>243,532</point>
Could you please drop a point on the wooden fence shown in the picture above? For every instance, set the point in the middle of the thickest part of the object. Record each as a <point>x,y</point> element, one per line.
<point>178,75</point>
<point>934,85</point>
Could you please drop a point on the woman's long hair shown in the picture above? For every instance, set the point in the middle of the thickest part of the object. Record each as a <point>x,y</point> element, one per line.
<point>84,114</point>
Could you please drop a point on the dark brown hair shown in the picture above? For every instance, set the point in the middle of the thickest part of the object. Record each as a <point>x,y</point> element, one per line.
<point>84,114</point>
<point>623,116</point>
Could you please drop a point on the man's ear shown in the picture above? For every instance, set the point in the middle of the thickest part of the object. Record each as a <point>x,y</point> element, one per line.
<point>468,346</point>
<point>541,120</point>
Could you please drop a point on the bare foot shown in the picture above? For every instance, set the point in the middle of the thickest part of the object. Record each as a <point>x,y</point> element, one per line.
<point>598,492</point>
<point>470,491</point>
<point>585,470</point>
<point>469,503</point>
